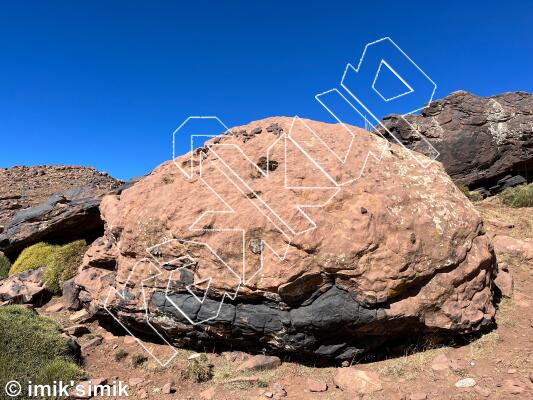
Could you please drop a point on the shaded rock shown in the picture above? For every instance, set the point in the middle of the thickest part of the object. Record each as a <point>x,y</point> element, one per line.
<point>24,288</point>
<point>504,282</point>
<point>260,362</point>
<point>91,344</point>
<point>77,330</point>
<point>346,283</point>
<point>70,295</point>
<point>65,216</point>
<point>482,141</point>
<point>357,381</point>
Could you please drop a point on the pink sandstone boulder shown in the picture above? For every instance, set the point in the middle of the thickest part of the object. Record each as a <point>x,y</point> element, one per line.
<point>295,236</point>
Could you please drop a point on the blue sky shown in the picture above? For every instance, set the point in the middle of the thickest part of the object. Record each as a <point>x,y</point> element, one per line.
<point>104,83</point>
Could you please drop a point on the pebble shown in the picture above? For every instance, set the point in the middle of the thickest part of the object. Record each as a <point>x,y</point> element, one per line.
<point>465,383</point>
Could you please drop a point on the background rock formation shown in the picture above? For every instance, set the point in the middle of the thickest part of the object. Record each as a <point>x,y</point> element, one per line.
<point>399,251</point>
<point>50,203</point>
<point>484,142</point>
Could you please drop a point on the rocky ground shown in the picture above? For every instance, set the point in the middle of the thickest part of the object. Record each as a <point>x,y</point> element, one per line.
<point>496,365</point>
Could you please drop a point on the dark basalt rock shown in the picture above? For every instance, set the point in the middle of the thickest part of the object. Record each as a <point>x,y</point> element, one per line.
<point>66,216</point>
<point>331,325</point>
<point>480,139</point>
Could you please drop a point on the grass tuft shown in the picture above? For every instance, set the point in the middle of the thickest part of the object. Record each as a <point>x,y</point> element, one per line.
<point>198,369</point>
<point>120,354</point>
<point>518,196</point>
<point>138,359</point>
<point>5,266</point>
<point>32,348</point>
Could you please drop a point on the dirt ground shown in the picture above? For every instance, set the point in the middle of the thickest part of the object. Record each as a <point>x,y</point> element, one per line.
<point>500,362</point>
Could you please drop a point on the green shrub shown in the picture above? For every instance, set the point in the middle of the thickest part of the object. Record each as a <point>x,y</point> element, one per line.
<point>518,196</point>
<point>198,369</point>
<point>60,263</point>
<point>138,359</point>
<point>32,348</point>
<point>120,354</point>
<point>5,266</point>
<point>67,259</point>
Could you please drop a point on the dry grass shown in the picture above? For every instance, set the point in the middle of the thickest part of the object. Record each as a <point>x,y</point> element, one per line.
<point>484,345</point>
<point>409,366</point>
<point>522,218</point>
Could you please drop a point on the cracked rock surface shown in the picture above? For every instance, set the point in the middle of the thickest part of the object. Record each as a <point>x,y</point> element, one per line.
<point>484,142</point>
<point>396,251</point>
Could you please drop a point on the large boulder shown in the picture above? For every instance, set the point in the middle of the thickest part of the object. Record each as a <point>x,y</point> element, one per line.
<point>484,142</point>
<point>50,203</point>
<point>230,257</point>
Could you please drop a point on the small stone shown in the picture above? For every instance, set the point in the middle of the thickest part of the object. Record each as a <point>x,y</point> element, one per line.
<point>465,383</point>
<point>129,340</point>
<point>279,391</point>
<point>354,380</point>
<point>268,395</point>
<point>136,381</point>
<point>55,308</point>
<point>483,392</point>
<point>316,386</point>
<point>504,282</point>
<point>80,316</point>
<point>511,371</point>
<point>77,330</point>
<point>209,393</point>
<point>91,344</point>
<point>418,396</point>
<point>167,388</point>
<point>363,210</point>
<point>440,363</point>
<point>260,362</point>
<point>531,376</point>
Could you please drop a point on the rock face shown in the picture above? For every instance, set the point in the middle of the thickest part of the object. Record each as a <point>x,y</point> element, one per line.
<point>24,288</point>
<point>484,142</point>
<point>52,203</point>
<point>396,251</point>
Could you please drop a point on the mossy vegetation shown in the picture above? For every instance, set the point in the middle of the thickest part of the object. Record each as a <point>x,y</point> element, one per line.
<point>60,263</point>
<point>5,266</point>
<point>518,196</point>
<point>32,348</point>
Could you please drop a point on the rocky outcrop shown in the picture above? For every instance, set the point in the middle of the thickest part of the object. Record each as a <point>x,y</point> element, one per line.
<point>397,251</point>
<point>485,143</point>
<point>56,203</point>
<point>24,288</point>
